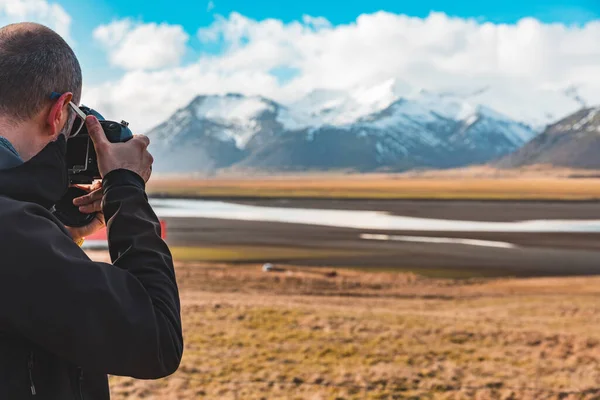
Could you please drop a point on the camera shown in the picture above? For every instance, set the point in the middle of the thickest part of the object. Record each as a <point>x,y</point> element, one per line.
<point>81,155</point>
<point>82,164</point>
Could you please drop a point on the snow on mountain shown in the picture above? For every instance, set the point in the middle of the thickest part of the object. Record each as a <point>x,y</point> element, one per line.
<point>425,114</point>
<point>368,128</point>
<point>238,113</point>
<point>517,132</point>
<point>462,108</point>
<point>444,120</point>
<point>338,107</point>
<point>212,132</point>
<point>445,105</point>
<point>409,119</point>
<point>404,135</point>
<point>234,116</point>
<point>585,123</point>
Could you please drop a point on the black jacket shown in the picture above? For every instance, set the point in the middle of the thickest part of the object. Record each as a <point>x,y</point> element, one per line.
<point>66,321</point>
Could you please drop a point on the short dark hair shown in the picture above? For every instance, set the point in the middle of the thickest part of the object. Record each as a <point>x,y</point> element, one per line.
<point>34,62</point>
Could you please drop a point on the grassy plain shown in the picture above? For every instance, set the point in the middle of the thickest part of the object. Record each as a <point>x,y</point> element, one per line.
<point>308,333</point>
<point>245,254</point>
<point>382,186</point>
<point>323,333</point>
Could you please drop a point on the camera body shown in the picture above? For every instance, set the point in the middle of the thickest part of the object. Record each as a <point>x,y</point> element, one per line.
<point>82,164</point>
<point>82,161</point>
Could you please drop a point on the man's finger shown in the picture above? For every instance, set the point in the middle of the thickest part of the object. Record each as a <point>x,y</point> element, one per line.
<point>143,139</point>
<point>88,198</point>
<point>95,130</point>
<point>97,185</point>
<point>87,188</point>
<point>96,206</point>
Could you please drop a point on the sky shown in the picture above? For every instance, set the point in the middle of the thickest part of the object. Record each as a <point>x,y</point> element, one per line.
<point>142,60</point>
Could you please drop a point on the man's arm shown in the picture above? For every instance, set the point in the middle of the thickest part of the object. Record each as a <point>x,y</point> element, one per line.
<point>135,245</point>
<point>123,319</point>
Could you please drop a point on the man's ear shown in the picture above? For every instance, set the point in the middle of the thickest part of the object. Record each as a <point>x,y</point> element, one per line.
<point>59,114</point>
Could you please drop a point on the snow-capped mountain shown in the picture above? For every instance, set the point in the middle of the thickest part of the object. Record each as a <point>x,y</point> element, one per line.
<point>405,135</point>
<point>368,129</point>
<point>213,132</point>
<point>571,142</point>
<point>339,107</point>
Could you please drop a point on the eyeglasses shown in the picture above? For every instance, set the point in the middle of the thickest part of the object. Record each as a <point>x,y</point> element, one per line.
<point>79,116</point>
<point>79,122</point>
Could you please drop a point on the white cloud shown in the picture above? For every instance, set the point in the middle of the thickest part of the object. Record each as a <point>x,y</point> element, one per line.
<point>210,6</point>
<point>316,22</point>
<point>526,66</point>
<point>40,11</point>
<point>134,46</point>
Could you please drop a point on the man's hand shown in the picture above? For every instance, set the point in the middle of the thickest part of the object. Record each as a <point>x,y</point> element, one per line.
<point>132,155</point>
<point>89,204</point>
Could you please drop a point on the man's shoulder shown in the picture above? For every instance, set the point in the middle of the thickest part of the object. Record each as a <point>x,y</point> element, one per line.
<point>14,209</point>
<point>10,204</point>
<point>24,220</point>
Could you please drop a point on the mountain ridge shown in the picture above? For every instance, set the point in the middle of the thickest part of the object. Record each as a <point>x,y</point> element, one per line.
<point>238,131</point>
<point>573,142</point>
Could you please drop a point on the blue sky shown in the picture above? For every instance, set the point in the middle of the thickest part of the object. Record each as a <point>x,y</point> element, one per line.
<point>192,15</point>
<point>143,59</point>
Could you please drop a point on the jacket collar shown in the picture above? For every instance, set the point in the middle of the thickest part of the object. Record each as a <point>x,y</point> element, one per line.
<point>32,181</point>
<point>9,158</point>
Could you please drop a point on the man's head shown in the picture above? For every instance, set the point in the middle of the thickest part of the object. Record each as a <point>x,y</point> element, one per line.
<point>34,62</point>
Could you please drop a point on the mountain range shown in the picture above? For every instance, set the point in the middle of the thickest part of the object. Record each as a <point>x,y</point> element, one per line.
<point>572,142</point>
<point>369,130</point>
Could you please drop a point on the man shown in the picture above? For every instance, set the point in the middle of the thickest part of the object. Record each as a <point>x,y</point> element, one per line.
<point>66,321</point>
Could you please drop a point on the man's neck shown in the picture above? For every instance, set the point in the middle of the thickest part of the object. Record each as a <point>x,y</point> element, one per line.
<point>22,137</point>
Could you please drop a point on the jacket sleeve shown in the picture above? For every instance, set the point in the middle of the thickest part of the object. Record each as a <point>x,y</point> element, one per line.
<point>120,319</point>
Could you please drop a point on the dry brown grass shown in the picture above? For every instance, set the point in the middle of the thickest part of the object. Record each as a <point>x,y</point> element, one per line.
<point>446,185</point>
<point>304,334</point>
